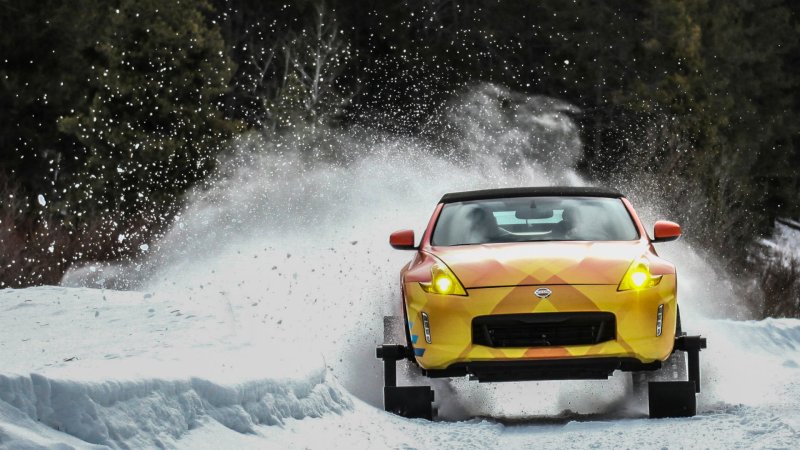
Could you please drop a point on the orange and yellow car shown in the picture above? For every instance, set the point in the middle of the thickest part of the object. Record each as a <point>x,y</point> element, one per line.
<point>538,283</point>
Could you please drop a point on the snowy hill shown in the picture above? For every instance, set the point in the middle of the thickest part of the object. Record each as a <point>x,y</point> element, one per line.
<point>85,368</point>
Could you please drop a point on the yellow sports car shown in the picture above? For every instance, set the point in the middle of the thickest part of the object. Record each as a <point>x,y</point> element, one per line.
<point>542,284</point>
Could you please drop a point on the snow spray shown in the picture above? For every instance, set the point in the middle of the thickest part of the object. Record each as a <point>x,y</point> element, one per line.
<point>292,237</point>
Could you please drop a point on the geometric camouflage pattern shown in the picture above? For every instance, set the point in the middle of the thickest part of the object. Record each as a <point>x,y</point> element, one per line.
<point>501,279</point>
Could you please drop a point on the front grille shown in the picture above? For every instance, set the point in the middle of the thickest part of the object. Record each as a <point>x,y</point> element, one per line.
<point>544,329</point>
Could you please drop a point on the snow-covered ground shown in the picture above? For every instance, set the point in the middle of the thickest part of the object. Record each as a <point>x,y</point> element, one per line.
<point>88,367</point>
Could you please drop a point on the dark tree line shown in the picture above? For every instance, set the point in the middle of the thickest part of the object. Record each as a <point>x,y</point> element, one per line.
<point>112,109</point>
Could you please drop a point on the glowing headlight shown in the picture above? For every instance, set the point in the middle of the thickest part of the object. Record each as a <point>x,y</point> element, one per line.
<point>638,277</point>
<point>444,284</point>
<point>443,281</point>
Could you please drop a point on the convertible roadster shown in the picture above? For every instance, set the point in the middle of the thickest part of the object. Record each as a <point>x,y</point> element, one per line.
<point>548,283</point>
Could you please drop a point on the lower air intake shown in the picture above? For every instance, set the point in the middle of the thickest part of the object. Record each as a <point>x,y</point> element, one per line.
<point>544,329</point>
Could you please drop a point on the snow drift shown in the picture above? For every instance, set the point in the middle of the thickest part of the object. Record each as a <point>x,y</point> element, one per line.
<point>156,412</point>
<point>153,381</point>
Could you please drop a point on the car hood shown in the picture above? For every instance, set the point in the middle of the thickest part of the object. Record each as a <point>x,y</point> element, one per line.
<point>532,263</point>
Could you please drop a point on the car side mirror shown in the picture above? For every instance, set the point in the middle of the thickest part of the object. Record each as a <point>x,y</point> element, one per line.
<point>402,240</point>
<point>665,231</point>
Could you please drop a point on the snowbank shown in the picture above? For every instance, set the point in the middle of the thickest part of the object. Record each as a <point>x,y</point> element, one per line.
<point>155,412</point>
<point>133,370</point>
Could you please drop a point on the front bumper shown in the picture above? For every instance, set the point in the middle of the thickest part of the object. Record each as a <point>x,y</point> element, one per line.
<point>450,321</point>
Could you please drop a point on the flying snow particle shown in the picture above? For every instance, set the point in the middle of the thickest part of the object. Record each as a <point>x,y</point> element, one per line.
<point>566,62</point>
<point>121,238</point>
<point>52,247</point>
<point>144,247</point>
<point>41,199</point>
<point>120,170</point>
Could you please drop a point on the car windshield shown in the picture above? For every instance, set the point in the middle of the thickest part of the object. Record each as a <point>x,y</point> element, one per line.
<point>525,219</point>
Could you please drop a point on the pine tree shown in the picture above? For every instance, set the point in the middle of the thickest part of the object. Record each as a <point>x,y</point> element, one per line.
<point>152,124</point>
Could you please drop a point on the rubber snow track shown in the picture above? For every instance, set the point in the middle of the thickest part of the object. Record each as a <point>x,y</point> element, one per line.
<point>84,368</point>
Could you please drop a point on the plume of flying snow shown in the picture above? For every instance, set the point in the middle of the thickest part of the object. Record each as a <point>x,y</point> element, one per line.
<point>292,237</point>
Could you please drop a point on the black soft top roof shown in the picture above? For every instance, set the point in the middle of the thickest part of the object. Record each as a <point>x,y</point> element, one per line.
<point>549,191</point>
